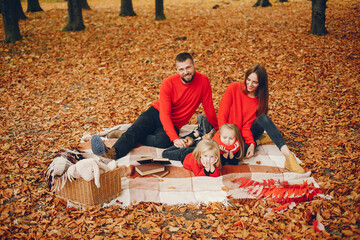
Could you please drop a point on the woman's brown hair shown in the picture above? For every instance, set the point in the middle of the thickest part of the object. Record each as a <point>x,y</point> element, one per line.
<point>262,92</point>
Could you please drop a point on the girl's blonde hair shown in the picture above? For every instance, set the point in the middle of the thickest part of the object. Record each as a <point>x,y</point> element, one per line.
<point>238,136</point>
<point>204,146</point>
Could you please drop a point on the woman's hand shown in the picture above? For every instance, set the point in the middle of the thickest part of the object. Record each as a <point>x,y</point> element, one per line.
<point>250,151</point>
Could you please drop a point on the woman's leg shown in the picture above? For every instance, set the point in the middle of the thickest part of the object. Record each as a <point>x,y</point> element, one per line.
<point>262,123</point>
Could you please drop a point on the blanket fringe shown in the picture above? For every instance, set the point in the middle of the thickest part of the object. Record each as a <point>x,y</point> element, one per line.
<point>280,192</point>
<point>58,167</point>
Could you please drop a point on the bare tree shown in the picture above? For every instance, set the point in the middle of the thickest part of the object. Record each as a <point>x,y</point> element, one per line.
<point>19,10</point>
<point>9,11</point>
<point>85,5</point>
<point>33,6</point>
<point>159,10</point>
<point>318,18</point>
<point>126,9</point>
<point>75,19</point>
<point>262,3</point>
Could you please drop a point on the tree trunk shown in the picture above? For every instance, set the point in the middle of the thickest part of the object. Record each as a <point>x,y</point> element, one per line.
<point>33,6</point>
<point>318,18</point>
<point>75,19</point>
<point>282,0</point>
<point>19,10</point>
<point>85,5</point>
<point>126,9</point>
<point>159,10</point>
<point>262,3</point>
<point>9,9</point>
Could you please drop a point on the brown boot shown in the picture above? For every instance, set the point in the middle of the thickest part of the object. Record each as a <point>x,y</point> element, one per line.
<point>115,134</point>
<point>99,148</point>
<point>264,139</point>
<point>189,141</point>
<point>109,153</point>
<point>292,165</point>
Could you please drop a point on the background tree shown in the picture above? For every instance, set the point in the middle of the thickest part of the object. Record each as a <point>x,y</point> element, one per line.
<point>75,19</point>
<point>262,3</point>
<point>33,6</point>
<point>318,18</point>
<point>19,10</point>
<point>159,10</point>
<point>126,9</point>
<point>9,11</point>
<point>85,5</point>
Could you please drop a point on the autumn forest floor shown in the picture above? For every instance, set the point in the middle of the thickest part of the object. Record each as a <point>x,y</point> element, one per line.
<point>56,85</point>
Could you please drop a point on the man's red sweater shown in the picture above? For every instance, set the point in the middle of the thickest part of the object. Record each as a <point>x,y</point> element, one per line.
<point>191,164</point>
<point>179,101</point>
<point>239,109</point>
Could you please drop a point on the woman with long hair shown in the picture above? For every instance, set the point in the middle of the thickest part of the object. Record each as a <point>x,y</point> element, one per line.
<point>245,104</point>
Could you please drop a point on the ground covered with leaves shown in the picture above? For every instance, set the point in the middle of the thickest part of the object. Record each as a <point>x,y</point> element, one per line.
<point>56,85</point>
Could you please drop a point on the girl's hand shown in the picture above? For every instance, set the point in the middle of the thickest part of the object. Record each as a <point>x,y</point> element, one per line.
<point>213,161</point>
<point>250,151</point>
<point>237,145</point>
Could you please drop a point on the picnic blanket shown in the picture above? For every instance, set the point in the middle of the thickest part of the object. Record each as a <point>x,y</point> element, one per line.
<point>180,186</point>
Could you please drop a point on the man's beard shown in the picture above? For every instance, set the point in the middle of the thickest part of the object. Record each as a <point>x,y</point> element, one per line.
<point>185,81</point>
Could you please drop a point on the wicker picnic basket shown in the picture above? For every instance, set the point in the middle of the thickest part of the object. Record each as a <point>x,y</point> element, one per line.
<point>85,193</point>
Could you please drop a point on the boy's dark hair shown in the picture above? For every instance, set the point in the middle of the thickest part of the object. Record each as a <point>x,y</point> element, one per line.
<point>182,57</point>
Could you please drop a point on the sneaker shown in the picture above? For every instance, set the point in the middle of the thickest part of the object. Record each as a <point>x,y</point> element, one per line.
<point>98,147</point>
<point>204,127</point>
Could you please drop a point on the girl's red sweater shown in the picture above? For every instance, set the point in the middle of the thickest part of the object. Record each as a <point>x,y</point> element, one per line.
<point>191,164</point>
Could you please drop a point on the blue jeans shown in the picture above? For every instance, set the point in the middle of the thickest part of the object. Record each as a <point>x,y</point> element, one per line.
<point>264,123</point>
<point>147,130</point>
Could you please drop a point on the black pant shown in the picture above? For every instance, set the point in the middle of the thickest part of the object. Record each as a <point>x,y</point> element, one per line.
<point>262,123</point>
<point>228,161</point>
<point>147,130</point>
<point>178,154</point>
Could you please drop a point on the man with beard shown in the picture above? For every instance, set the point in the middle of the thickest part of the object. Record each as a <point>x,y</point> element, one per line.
<point>180,96</point>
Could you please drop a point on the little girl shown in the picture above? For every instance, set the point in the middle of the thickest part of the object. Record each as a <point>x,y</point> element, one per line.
<point>204,160</point>
<point>231,144</point>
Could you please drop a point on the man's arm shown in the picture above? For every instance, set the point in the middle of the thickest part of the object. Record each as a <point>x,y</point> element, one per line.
<point>165,111</point>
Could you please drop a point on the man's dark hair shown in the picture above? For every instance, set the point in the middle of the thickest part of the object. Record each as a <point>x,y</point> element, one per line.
<point>181,57</point>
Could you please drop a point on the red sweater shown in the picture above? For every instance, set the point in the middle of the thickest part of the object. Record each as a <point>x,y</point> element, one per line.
<point>191,164</point>
<point>239,109</point>
<point>178,102</point>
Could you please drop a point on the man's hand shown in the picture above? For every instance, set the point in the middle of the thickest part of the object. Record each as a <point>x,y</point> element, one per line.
<point>179,143</point>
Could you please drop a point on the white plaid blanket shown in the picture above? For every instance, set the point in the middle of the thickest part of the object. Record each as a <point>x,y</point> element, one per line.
<point>180,186</point>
